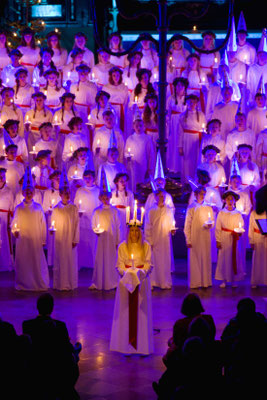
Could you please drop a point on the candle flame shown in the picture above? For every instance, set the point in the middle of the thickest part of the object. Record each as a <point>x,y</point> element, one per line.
<point>132,256</point>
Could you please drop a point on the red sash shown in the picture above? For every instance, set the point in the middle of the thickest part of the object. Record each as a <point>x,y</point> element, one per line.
<point>19,159</point>
<point>34,128</point>
<point>257,230</point>
<point>25,106</point>
<point>41,187</point>
<point>121,114</point>
<point>65,131</point>
<point>173,112</point>
<point>133,314</point>
<point>264,154</point>
<point>79,104</point>
<point>99,125</point>
<point>28,64</point>
<point>120,206</point>
<point>192,131</point>
<point>234,247</point>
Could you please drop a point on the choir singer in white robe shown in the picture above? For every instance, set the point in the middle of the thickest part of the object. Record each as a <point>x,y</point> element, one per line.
<point>29,228</point>
<point>132,329</point>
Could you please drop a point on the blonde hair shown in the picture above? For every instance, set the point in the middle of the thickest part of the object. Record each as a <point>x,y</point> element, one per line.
<point>140,242</point>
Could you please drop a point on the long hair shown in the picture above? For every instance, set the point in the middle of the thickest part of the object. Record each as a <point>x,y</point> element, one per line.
<point>148,114</point>
<point>138,89</point>
<point>58,43</point>
<point>130,66</point>
<point>24,44</point>
<point>140,242</point>
<point>40,65</point>
<point>6,45</point>
<point>63,111</point>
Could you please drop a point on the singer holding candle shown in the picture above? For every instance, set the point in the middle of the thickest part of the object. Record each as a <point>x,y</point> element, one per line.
<point>132,330</point>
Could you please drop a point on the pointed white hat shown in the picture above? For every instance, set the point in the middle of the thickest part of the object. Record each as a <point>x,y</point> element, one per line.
<point>159,172</point>
<point>27,179</point>
<point>234,168</point>
<point>112,140</point>
<point>64,182</point>
<point>241,23</point>
<point>263,42</point>
<point>104,185</point>
<point>232,45</point>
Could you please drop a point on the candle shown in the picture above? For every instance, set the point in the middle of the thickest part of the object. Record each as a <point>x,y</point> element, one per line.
<point>89,117</point>
<point>76,172</point>
<point>240,225</point>
<point>45,92</point>
<point>142,214</point>
<point>56,119</point>
<point>173,224</point>
<point>127,215</point>
<point>215,60</point>
<point>69,75</point>
<point>93,75</point>
<point>4,147</point>
<point>129,150</point>
<point>135,210</point>
<point>80,203</point>
<point>251,179</point>
<point>53,224</point>
<point>203,79</point>
<point>136,99</point>
<point>194,28</point>
<point>33,169</point>
<point>125,83</point>
<point>27,118</point>
<point>16,227</point>
<point>155,76</point>
<point>34,81</point>
<point>33,148</point>
<point>98,226</point>
<point>56,30</point>
<point>203,128</point>
<point>236,143</point>
<point>52,203</point>
<point>132,257</point>
<point>241,76</point>
<point>209,215</point>
<point>7,80</point>
<point>71,149</point>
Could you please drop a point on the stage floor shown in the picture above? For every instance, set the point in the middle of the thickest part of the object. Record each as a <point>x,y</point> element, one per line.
<point>88,315</point>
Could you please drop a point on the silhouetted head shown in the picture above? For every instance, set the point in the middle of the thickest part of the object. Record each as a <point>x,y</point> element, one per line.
<point>45,304</point>
<point>192,305</point>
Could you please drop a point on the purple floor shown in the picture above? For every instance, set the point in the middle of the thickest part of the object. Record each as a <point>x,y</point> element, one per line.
<point>88,315</point>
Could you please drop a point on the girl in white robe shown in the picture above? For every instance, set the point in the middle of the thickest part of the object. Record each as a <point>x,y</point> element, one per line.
<point>66,217</point>
<point>11,126</point>
<point>100,70</point>
<point>60,55</point>
<point>86,200</point>
<point>175,106</point>
<point>23,91</point>
<point>53,90</point>
<point>214,168</point>
<point>6,209</point>
<point>14,169</point>
<point>115,45</point>
<point>190,129</point>
<point>30,52</point>
<point>150,58</point>
<point>126,337</point>
<point>106,217</point>
<point>73,140</point>
<point>10,111</point>
<point>208,62</point>
<point>177,57</point>
<point>140,155</point>
<point>35,117</point>
<point>122,198</point>
<point>80,40</point>
<point>230,266</point>
<point>129,73</point>
<point>258,243</point>
<point>69,72</point>
<point>158,230</point>
<point>46,142</point>
<point>213,137</point>
<point>44,65</point>
<point>29,228</point>
<point>256,117</point>
<point>198,222</point>
<point>4,50</point>
<point>150,117</point>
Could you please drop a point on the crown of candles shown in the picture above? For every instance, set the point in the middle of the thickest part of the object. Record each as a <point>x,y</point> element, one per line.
<point>134,221</point>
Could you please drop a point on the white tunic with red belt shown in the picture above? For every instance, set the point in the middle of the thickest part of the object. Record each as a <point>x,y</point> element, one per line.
<point>6,210</point>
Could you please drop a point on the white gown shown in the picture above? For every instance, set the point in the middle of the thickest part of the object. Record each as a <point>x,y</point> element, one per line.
<point>85,93</point>
<point>87,245</point>
<point>32,274</point>
<point>36,118</point>
<point>120,324</point>
<point>215,141</point>
<point>158,225</point>
<point>6,207</point>
<point>151,202</point>
<point>259,259</point>
<point>67,232</point>
<point>261,150</point>
<point>226,114</point>
<point>246,54</point>
<point>23,98</point>
<point>14,173</point>
<point>224,270</point>
<point>254,74</point>
<point>235,138</point>
<point>13,112</point>
<point>199,236</point>
<point>121,201</point>
<point>256,119</point>
<point>103,135</point>
<point>105,275</point>
<point>216,173</point>
<point>111,170</point>
<point>143,158</point>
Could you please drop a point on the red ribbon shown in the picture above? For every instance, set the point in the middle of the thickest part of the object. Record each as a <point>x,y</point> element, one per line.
<point>192,131</point>
<point>120,206</point>
<point>133,314</point>
<point>257,230</point>
<point>19,159</point>
<point>234,247</point>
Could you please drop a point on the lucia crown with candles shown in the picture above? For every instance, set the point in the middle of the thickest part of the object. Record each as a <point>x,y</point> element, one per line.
<point>134,221</point>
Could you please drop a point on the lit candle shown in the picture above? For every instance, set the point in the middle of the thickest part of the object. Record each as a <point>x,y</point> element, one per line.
<point>203,80</point>
<point>34,81</point>
<point>251,179</point>
<point>53,224</point>
<point>194,28</point>
<point>241,76</point>
<point>135,210</point>
<point>125,83</point>
<point>132,257</point>
<point>15,227</point>
<point>215,60</point>
<point>136,99</point>
<point>209,215</point>
<point>173,224</point>
<point>4,147</point>
<point>93,75</point>
<point>69,75</point>
<point>71,149</point>
<point>75,172</point>
<point>98,143</point>
<point>45,92</point>
<point>33,149</point>
<point>155,76</point>
<point>203,128</point>
<point>52,203</point>
<point>56,119</point>
<point>142,214</point>
<point>7,80</point>
<point>240,225</point>
<point>127,215</point>
<point>27,118</point>
<point>236,143</point>
<point>98,227</point>
<point>56,30</point>
<point>80,203</point>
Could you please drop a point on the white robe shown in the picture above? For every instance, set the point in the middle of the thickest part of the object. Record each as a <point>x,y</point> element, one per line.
<point>15,171</point>
<point>120,324</point>
<point>214,96</point>
<point>190,141</point>
<point>255,72</point>
<point>226,113</point>
<point>199,237</point>
<point>22,150</point>
<point>130,81</point>
<point>158,225</point>
<point>216,173</point>
<point>174,112</point>
<point>151,202</point>
<point>149,59</point>
<point>259,259</point>
<point>215,141</point>
<point>67,232</point>
<point>87,245</point>
<point>246,53</point>
<point>88,57</point>
<point>71,143</point>
<point>101,74</point>
<point>235,138</point>
<point>237,71</point>
<point>36,118</point>
<point>13,112</point>
<point>142,160</point>
<point>8,75</point>
<point>6,204</point>
<point>179,60</point>
<point>119,98</point>
<point>30,58</point>
<point>111,170</point>
<point>250,177</point>
<point>224,270</point>
<point>261,150</point>
<point>84,101</point>
<point>103,135</point>
<point>256,119</point>
<point>60,58</point>
<point>31,272</point>
<point>23,98</point>
<point>4,58</point>
<point>105,275</point>
<point>50,200</point>
<point>53,97</point>
<point>120,201</point>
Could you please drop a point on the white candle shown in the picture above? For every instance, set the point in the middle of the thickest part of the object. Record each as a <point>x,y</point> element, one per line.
<point>56,119</point>
<point>4,147</point>
<point>15,226</point>
<point>71,149</point>
<point>98,143</point>
<point>45,92</point>
<point>53,224</point>
<point>7,80</point>
<point>241,76</point>
<point>69,75</point>
<point>27,118</point>
<point>215,60</point>
<point>209,215</point>
<point>93,75</point>
<point>135,210</point>
<point>75,172</point>
<point>155,76</point>
<point>203,127</point>
<point>173,224</point>
<point>142,214</point>
<point>223,180</point>
<point>132,257</point>
<point>56,30</point>
<point>80,203</point>
<point>127,215</point>
<point>136,99</point>
<point>33,148</point>
<point>240,225</point>
<point>52,203</point>
<point>236,143</point>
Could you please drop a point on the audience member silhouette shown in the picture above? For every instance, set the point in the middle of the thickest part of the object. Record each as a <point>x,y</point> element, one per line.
<point>54,367</point>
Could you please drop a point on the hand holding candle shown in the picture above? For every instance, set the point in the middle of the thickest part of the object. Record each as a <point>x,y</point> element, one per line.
<point>127,215</point>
